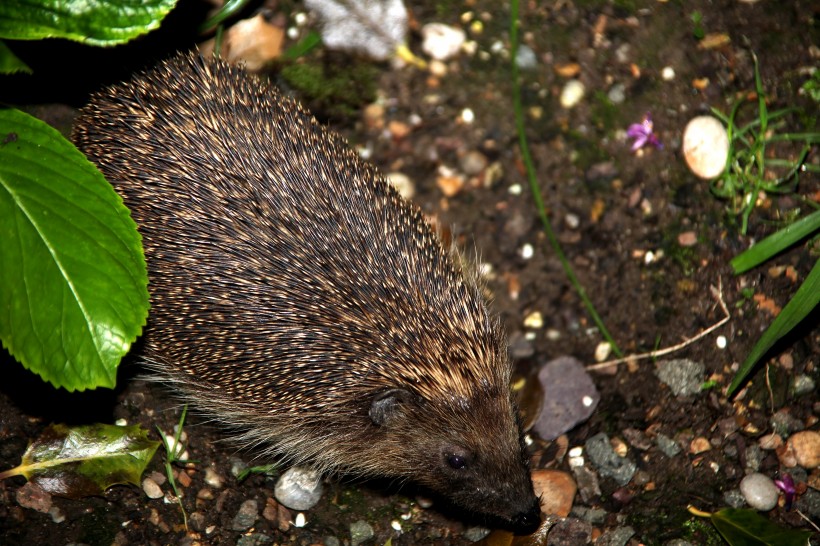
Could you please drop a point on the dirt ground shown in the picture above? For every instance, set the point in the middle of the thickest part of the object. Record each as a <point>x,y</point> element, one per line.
<point>646,238</point>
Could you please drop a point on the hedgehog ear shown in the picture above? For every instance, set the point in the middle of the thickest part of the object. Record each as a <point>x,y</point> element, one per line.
<point>386,406</point>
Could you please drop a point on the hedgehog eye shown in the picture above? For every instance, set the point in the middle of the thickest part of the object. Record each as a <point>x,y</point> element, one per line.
<point>457,462</point>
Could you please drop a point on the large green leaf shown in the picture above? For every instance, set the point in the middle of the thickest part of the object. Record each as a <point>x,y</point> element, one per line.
<point>87,460</point>
<point>748,528</point>
<point>73,281</point>
<point>802,303</point>
<point>96,22</point>
<point>9,63</point>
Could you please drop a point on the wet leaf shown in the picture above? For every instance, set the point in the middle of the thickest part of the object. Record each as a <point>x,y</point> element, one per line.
<point>101,22</point>
<point>9,63</point>
<point>87,460</point>
<point>748,528</point>
<point>73,281</point>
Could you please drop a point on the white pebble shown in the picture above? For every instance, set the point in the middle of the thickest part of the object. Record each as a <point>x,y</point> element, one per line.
<point>527,251</point>
<point>534,320</point>
<point>300,520</point>
<point>402,183</point>
<point>759,491</point>
<point>152,489</point>
<point>467,116</point>
<point>668,73</point>
<point>396,525</point>
<point>441,41</point>
<point>572,93</point>
<point>515,189</point>
<point>299,488</point>
<point>602,351</point>
<point>705,146</point>
<point>721,342</point>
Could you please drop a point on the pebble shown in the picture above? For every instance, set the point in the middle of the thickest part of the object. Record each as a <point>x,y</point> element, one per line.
<point>473,162</point>
<point>682,376</point>
<point>556,489</point>
<point>570,532</point>
<point>246,516</point>
<point>254,539</point>
<point>152,489</point>
<point>525,58</point>
<point>721,342</point>
<point>299,488</point>
<point>34,497</point>
<point>615,537</point>
<point>440,41</point>
<point>705,146</point>
<point>213,478</point>
<point>759,491</point>
<point>474,534</point>
<point>57,515</point>
<point>534,320</point>
<point>360,532</point>
<point>572,93</point>
<point>608,463</point>
<point>402,184</point>
<point>668,73</point>
<point>667,445</point>
<point>688,238</point>
<point>570,397</point>
<point>805,446</point>
<point>617,93</point>
<point>602,351</point>
<point>803,384</point>
<point>734,498</point>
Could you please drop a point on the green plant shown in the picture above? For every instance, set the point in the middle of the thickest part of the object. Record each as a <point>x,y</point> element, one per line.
<point>173,450</point>
<point>749,171</point>
<point>697,29</point>
<point>73,284</point>
<point>802,303</point>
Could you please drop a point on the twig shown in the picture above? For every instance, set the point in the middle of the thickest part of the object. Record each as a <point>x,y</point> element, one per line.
<point>717,293</point>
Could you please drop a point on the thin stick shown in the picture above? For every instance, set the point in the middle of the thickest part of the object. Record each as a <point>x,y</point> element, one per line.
<point>717,293</point>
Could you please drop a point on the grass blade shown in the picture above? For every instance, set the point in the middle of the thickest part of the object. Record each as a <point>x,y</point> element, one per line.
<point>776,242</point>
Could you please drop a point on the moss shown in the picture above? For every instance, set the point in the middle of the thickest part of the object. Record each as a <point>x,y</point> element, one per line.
<point>336,90</point>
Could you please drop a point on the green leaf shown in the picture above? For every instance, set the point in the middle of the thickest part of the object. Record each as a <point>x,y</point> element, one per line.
<point>748,528</point>
<point>87,460</point>
<point>10,63</point>
<point>73,281</point>
<point>95,22</point>
<point>802,303</point>
<point>777,242</point>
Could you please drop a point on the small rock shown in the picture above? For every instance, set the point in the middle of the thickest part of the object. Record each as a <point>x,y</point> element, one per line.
<point>734,498</point>
<point>668,73</point>
<point>570,532</point>
<point>299,488</point>
<point>688,238</point>
<point>450,184</point>
<point>402,184</point>
<point>360,532</point>
<point>803,384</point>
<point>373,116</point>
<point>473,162</point>
<point>534,320</point>
<point>805,446</point>
<point>615,537</point>
<point>572,93</point>
<point>705,146</point>
<point>681,375</point>
<point>588,486</point>
<point>525,58</point>
<point>617,93</point>
<point>57,515</point>
<point>570,397</point>
<point>556,489</point>
<point>254,539</point>
<point>602,351</point>
<point>441,41</point>
<point>152,489</point>
<point>197,521</point>
<point>34,497</point>
<point>608,463</point>
<point>474,534</point>
<point>784,423</point>
<point>759,491</point>
<point>213,479</point>
<point>667,445</point>
<point>246,516</point>
<point>699,445</point>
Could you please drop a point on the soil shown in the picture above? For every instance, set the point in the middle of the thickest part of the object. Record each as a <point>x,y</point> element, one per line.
<point>646,238</point>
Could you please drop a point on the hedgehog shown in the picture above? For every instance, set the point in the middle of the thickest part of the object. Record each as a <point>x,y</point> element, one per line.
<point>297,299</point>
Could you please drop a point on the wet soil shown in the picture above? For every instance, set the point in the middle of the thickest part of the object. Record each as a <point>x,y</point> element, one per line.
<point>619,216</point>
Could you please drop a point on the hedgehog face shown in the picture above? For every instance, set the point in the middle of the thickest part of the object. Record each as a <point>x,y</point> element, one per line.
<point>470,451</point>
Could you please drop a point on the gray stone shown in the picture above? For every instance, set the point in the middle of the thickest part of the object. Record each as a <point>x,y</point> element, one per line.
<point>667,445</point>
<point>360,532</point>
<point>299,488</point>
<point>246,516</point>
<point>570,397</point>
<point>681,375</point>
<point>759,491</point>
<point>609,463</point>
<point>615,537</point>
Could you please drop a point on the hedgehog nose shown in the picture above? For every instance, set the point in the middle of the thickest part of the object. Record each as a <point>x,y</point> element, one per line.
<point>527,522</point>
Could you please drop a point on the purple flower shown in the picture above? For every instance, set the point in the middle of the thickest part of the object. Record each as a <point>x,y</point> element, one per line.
<point>786,484</point>
<point>642,133</point>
